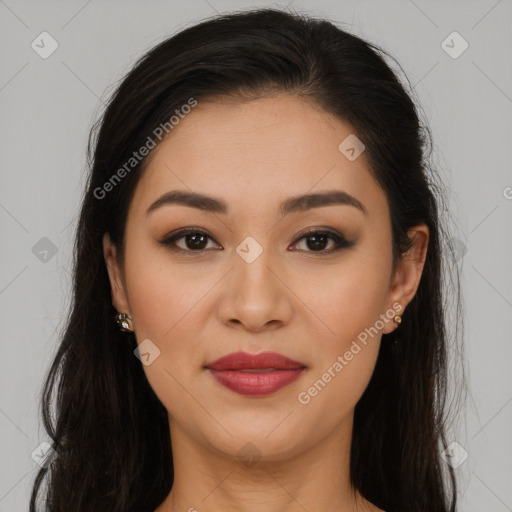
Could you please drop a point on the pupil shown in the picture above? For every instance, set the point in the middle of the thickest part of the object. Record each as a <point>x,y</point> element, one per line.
<point>316,245</point>
<point>194,236</point>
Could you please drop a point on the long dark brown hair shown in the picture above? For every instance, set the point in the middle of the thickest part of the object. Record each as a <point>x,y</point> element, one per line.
<point>110,432</point>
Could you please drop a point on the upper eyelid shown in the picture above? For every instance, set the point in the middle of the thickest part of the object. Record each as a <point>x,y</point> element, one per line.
<point>184,231</point>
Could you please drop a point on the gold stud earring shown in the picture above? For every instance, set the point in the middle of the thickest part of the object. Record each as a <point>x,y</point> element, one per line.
<point>398,320</point>
<point>124,321</point>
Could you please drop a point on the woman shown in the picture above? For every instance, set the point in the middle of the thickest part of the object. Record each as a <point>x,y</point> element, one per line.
<point>258,315</point>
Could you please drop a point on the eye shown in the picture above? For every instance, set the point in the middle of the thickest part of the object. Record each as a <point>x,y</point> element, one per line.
<point>319,239</point>
<point>195,240</point>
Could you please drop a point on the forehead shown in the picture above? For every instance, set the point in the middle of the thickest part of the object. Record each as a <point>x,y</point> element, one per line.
<point>256,153</point>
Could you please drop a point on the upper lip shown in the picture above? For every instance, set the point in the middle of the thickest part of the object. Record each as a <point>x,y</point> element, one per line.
<point>245,361</point>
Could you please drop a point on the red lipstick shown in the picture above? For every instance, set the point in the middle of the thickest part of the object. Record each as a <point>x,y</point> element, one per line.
<point>255,374</point>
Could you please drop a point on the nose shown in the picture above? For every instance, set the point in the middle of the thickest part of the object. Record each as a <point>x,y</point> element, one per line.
<point>255,294</point>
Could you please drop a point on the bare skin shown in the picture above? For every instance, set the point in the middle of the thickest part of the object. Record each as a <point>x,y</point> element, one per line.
<point>307,304</point>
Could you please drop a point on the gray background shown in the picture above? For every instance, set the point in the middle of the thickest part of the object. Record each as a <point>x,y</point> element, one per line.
<point>48,107</point>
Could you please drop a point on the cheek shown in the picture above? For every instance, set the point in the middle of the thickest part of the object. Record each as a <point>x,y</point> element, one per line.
<point>349,299</point>
<point>165,302</point>
<point>343,362</point>
<point>168,302</point>
<point>153,306</point>
<point>349,303</point>
<point>162,294</point>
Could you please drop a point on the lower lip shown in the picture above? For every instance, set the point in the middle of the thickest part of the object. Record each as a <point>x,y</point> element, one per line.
<point>253,383</point>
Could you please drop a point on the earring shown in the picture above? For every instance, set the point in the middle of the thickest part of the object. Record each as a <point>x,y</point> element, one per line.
<point>124,321</point>
<point>398,320</point>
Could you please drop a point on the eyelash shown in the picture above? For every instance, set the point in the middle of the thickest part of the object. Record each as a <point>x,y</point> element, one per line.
<point>170,241</point>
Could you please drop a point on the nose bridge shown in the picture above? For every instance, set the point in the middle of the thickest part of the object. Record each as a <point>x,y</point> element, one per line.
<point>253,263</point>
<point>256,227</point>
<point>254,295</point>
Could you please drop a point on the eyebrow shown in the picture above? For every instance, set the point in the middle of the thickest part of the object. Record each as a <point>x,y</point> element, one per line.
<point>290,205</point>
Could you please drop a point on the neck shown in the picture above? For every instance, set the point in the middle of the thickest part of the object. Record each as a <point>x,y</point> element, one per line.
<point>313,479</point>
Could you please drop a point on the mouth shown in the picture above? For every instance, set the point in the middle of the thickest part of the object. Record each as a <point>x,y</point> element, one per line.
<point>264,361</point>
<point>259,370</point>
<point>255,374</point>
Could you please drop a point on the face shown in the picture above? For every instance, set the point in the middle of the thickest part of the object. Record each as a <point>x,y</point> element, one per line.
<point>253,278</point>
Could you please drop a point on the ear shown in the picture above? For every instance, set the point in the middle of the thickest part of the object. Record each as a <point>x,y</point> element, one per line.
<point>119,297</point>
<point>408,274</point>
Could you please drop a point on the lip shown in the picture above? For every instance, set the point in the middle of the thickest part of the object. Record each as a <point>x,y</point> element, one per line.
<point>262,361</point>
<point>255,374</point>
